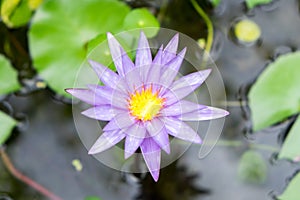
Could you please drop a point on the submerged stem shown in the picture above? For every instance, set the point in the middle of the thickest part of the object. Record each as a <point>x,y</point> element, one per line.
<point>210,29</point>
<point>24,178</point>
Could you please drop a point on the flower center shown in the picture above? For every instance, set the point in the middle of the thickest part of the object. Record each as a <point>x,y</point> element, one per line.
<point>145,105</point>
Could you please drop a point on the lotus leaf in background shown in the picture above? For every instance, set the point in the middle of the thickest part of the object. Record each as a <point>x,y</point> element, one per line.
<point>252,3</point>
<point>292,190</point>
<point>291,148</point>
<point>8,77</point>
<point>6,126</point>
<point>61,31</point>
<point>275,95</point>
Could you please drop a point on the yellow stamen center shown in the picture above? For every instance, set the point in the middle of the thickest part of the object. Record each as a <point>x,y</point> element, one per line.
<point>145,105</point>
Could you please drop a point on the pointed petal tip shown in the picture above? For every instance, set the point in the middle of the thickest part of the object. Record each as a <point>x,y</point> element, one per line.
<point>226,113</point>
<point>86,113</point>
<point>92,151</point>
<point>126,155</point>
<point>74,91</point>
<point>91,61</point>
<point>198,140</point>
<point>207,71</point>
<point>167,149</point>
<point>220,112</point>
<point>95,65</point>
<point>68,90</point>
<point>142,34</point>
<point>155,175</point>
<point>182,52</point>
<point>109,35</point>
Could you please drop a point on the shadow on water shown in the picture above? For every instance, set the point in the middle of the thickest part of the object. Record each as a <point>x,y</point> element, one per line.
<point>175,183</point>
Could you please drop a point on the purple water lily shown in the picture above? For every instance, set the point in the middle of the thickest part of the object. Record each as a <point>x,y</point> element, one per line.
<point>143,102</point>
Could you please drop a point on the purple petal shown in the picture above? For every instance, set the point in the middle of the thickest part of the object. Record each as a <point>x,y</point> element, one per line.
<point>131,145</point>
<point>158,57</point>
<point>171,69</point>
<point>107,140</point>
<point>181,107</point>
<point>87,96</point>
<point>151,153</point>
<point>157,131</point>
<point>155,69</point>
<point>143,57</point>
<point>115,47</point>
<point>108,77</point>
<point>134,137</point>
<point>143,53</point>
<point>134,80</point>
<point>185,85</point>
<point>154,127</point>
<point>181,130</point>
<point>126,61</point>
<point>207,113</point>
<point>114,97</point>
<point>120,121</point>
<point>170,51</point>
<point>103,112</point>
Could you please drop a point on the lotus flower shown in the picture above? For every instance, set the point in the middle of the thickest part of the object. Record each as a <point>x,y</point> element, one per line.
<point>143,102</point>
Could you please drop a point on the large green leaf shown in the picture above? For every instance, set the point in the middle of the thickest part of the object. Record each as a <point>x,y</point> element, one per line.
<point>291,148</point>
<point>6,125</point>
<point>276,94</point>
<point>8,77</point>
<point>60,33</point>
<point>252,3</point>
<point>292,191</point>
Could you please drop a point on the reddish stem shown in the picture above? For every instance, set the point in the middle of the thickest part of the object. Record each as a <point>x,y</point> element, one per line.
<point>24,178</point>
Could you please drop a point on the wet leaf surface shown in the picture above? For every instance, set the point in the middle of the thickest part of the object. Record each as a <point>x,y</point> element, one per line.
<point>276,95</point>
<point>252,3</point>
<point>291,148</point>
<point>58,38</point>
<point>8,77</point>
<point>292,190</point>
<point>6,125</point>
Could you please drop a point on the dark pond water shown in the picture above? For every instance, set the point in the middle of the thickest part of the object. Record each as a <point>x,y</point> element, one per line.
<point>47,142</point>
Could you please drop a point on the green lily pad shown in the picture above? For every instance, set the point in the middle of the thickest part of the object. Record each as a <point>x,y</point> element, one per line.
<point>276,95</point>
<point>6,125</point>
<point>8,77</point>
<point>292,190</point>
<point>252,167</point>
<point>63,33</point>
<point>60,33</point>
<point>141,18</point>
<point>291,148</point>
<point>92,198</point>
<point>252,3</point>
